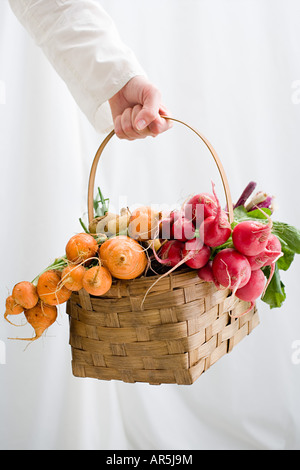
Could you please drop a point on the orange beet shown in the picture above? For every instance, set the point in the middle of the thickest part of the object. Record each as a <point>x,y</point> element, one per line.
<point>12,308</point>
<point>143,224</point>
<point>123,257</point>
<point>40,318</point>
<point>72,277</point>
<point>81,247</point>
<point>50,289</point>
<point>25,294</point>
<point>97,280</point>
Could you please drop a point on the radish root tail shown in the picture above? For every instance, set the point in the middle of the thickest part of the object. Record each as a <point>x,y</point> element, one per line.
<point>186,258</point>
<point>244,313</point>
<point>13,324</point>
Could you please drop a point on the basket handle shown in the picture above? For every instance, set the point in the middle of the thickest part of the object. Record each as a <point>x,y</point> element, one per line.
<point>208,145</point>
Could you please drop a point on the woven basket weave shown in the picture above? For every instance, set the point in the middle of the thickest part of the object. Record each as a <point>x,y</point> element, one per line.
<point>183,327</point>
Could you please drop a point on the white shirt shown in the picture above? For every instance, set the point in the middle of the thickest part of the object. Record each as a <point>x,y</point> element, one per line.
<point>82,43</point>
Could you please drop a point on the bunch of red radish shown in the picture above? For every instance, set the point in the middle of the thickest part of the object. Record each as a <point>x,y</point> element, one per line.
<point>202,225</point>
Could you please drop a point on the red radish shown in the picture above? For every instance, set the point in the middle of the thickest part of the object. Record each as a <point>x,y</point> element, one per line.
<point>199,207</point>
<point>272,271</point>
<point>216,229</point>
<point>231,269</point>
<point>250,237</point>
<point>252,290</point>
<point>273,253</point>
<point>165,226</point>
<point>256,262</point>
<point>170,253</point>
<point>207,275</point>
<point>183,229</point>
<point>175,214</point>
<point>166,223</point>
<point>273,250</point>
<point>268,256</point>
<point>195,254</point>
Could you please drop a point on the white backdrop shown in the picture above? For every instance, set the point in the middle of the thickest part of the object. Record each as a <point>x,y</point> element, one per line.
<point>231,69</point>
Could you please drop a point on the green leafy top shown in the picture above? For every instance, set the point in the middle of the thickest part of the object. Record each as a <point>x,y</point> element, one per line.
<point>101,205</point>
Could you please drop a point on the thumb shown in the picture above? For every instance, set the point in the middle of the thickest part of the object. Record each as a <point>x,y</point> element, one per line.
<point>149,111</point>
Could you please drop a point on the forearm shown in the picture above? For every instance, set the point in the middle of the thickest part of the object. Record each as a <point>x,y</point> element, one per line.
<point>82,43</point>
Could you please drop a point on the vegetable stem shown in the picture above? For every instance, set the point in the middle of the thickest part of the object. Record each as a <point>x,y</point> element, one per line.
<point>102,202</point>
<point>59,264</point>
<point>83,226</point>
<point>245,194</point>
<point>197,233</point>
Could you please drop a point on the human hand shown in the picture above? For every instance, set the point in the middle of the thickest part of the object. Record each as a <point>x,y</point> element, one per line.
<point>136,110</point>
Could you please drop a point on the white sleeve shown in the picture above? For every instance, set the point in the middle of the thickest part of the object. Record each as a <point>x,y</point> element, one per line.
<point>82,43</point>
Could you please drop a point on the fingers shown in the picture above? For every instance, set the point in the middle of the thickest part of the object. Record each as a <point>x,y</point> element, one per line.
<point>160,125</point>
<point>151,100</point>
<point>151,112</point>
<point>126,124</point>
<point>136,110</point>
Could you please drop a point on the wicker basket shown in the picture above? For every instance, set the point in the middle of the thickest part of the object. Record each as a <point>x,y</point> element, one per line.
<point>183,327</point>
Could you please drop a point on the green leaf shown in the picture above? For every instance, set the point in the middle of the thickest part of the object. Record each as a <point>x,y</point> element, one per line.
<point>215,250</point>
<point>289,234</point>
<point>240,215</point>
<point>275,294</point>
<point>286,260</point>
<point>259,213</point>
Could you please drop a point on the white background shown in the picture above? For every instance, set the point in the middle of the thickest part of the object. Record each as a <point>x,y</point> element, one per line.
<point>230,68</point>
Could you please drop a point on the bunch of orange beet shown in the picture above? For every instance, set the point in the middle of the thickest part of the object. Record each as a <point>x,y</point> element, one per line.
<point>88,266</point>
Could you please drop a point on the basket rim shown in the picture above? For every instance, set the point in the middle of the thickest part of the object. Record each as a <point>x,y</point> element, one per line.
<point>147,281</point>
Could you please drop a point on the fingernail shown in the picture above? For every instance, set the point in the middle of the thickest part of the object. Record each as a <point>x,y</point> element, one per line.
<point>140,125</point>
